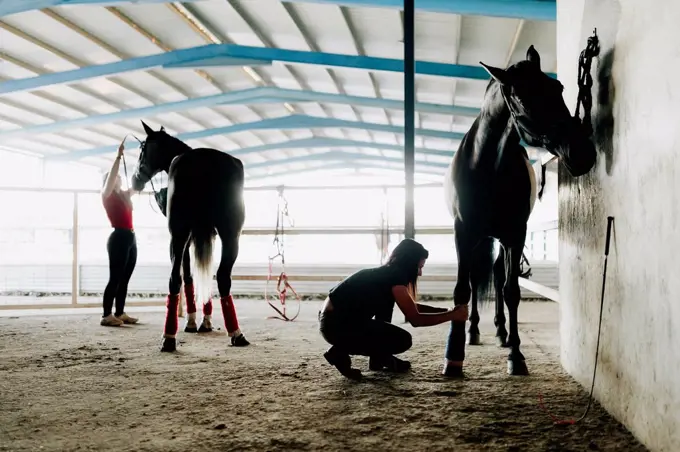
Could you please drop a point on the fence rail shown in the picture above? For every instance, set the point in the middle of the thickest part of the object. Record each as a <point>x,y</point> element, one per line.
<point>56,284</point>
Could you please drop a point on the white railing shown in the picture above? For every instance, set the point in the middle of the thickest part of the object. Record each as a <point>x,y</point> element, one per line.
<point>64,281</point>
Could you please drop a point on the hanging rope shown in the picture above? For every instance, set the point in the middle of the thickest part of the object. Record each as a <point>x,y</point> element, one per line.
<point>585,95</point>
<point>282,283</point>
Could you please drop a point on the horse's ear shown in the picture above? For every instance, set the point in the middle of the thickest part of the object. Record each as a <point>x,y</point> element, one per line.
<point>162,129</point>
<point>499,74</point>
<point>533,56</point>
<point>147,129</point>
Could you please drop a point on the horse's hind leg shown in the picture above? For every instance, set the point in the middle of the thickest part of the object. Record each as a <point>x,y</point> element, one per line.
<point>499,283</point>
<point>474,336</point>
<point>189,293</point>
<point>178,243</point>
<point>229,254</point>
<point>511,293</point>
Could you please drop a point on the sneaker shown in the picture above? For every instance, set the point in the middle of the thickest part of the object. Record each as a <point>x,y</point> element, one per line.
<point>343,363</point>
<point>388,364</point>
<point>127,319</point>
<point>110,320</point>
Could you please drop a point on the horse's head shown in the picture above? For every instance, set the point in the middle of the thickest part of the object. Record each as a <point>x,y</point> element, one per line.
<point>155,156</point>
<point>540,115</point>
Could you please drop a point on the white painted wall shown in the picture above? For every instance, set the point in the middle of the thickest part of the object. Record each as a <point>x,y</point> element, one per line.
<point>637,180</point>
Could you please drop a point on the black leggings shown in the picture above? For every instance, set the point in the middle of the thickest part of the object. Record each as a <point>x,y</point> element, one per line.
<point>122,248</point>
<point>372,337</point>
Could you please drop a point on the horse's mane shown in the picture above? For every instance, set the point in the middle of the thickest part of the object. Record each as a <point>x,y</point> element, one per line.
<point>169,140</point>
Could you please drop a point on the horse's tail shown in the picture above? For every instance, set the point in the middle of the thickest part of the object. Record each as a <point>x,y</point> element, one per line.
<point>202,240</point>
<point>482,269</point>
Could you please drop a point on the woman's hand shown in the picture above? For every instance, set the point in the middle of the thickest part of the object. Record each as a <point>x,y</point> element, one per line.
<point>121,148</point>
<point>460,313</point>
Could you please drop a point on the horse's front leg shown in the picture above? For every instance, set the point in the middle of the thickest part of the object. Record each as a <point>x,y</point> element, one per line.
<point>455,345</point>
<point>512,295</point>
<point>178,243</point>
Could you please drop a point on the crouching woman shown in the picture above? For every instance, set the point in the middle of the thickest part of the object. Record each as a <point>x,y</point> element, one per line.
<point>356,315</point>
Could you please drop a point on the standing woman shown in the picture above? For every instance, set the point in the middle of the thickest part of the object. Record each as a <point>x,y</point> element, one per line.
<point>121,246</point>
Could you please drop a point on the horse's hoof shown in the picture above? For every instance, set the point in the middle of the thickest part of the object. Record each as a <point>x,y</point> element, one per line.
<point>518,368</point>
<point>204,329</point>
<point>502,341</point>
<point>453,371</point>
<point>239,341</point>
<point>169,344</point>
<point>190,329</point>
<point>474,339</point>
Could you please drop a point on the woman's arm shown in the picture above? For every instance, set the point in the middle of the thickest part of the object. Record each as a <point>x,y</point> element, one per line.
<point>113,173</point>
<point>417,318</point>
<point>426,309</point>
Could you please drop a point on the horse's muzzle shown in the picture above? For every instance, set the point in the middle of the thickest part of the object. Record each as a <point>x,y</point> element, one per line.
<point>138,182</point>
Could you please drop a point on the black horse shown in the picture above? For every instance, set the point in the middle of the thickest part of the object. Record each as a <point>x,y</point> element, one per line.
<point>204,199</point>
<point>490,190</point>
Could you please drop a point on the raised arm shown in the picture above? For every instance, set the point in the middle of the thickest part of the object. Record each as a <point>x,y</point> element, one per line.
<point>113,173</point>
<point>418,319</point>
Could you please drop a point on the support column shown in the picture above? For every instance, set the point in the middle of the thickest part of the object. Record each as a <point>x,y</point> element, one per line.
<point>75,273</point>
<point>409,117</point>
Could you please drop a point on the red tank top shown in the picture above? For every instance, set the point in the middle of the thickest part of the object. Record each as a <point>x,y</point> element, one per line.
<point>119,213</point>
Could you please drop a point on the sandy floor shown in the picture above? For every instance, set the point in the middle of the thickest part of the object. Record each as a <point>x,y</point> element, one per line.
<point>68,384</point>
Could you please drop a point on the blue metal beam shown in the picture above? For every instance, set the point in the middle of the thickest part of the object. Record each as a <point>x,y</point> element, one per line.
<point>204,54</point>
<point>261,95</point>
<point>517,9</point>
<point>8,7</point>
<point>291,122</point>
<point>341,156</point>
<point>334,143</point>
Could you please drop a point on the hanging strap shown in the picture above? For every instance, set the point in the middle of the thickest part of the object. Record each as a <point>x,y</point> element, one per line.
<point>283,284</point>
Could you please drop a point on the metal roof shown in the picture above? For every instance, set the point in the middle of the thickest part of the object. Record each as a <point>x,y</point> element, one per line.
<point>284,85</point>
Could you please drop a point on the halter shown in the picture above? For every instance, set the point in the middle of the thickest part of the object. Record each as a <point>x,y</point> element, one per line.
<point>526,127</point>
<point>156,193</point>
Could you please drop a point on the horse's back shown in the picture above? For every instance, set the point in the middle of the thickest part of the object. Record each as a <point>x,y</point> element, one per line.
<point>206,185</point>
<point>209,162</point>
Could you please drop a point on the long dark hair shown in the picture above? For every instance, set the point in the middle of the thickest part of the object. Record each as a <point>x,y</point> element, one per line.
<point>406,256</point>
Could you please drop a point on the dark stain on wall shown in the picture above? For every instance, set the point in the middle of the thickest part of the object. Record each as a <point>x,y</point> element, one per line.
<point>603,116</point>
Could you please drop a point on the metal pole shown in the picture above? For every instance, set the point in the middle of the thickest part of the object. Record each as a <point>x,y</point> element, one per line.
<point>75,274</point>
<point>409,117</point>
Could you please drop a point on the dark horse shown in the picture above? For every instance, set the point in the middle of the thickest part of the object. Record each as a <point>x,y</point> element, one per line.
<point>204,199</point>
<point>490,190</point>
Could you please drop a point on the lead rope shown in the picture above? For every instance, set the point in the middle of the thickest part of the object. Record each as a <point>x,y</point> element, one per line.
<point>610,222</point>
<point>282,283</point>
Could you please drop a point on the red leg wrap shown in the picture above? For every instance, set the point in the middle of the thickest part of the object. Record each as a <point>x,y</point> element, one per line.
<point>229,313</point>
<point>171,315</point>
<point>207,308</point>
<point>191,298</point>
